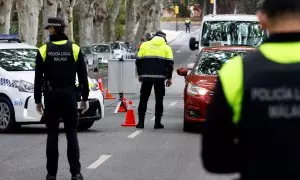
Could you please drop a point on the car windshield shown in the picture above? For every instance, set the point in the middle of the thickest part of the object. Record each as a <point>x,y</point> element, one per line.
<point>115,46</point>
<point>86,50</point>
<point>232,33</point>
<point>18,59</point>
<point>212,61</point>
<point>101,49</point>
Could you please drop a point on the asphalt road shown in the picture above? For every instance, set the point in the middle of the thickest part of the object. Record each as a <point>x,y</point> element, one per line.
<point>112,152</point>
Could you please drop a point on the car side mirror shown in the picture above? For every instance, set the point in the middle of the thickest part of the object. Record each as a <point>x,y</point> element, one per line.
<point>191,66</point>
<point>182,71</point>
<point>193,44</point>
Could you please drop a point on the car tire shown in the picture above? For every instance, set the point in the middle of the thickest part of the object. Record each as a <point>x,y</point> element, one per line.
<point>187,127</point>
<point>7,116</point>
<point>85,125</point>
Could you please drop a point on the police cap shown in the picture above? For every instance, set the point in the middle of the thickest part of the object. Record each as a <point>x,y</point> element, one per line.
<point>161,34</point>
<point>55,22</point>
<point>275,8</point>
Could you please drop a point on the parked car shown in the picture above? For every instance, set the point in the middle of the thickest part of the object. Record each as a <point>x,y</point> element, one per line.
<point>200,81</point>
<point>103,53</point>
<point>230,30</point>
<point>131,49</point>
<point>120,50</point>
<point>17,105</point>
<point>89,57</point>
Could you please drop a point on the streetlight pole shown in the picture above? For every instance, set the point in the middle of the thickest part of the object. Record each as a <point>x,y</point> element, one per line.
<point>215,7</point>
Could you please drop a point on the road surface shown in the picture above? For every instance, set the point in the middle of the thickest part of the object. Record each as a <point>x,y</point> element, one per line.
<point>112,152</point>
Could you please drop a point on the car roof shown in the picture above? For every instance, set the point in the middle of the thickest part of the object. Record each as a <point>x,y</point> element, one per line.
<point>230,17</point>
<point>229,48</point>
<point>15,45</point>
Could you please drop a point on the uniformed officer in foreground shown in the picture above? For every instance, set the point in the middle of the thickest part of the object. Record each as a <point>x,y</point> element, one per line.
<point>155,67</point>
<point>253,123</point>
<point>57,63</point>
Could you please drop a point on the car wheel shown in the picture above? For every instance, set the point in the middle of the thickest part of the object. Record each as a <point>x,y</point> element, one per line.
<point>85,125</point>
<point>7,115</point>
<point>186,127</point>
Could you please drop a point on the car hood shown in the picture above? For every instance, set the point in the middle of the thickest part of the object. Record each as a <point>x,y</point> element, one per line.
<point>206,81</point>
<point>104,55</point>
<point>23,75</point>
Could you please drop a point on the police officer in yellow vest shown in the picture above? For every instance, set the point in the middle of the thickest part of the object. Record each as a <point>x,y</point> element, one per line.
<point>57,63</point>
<point>253,122</point>
<point>155,67</point>
<point>187,23</point>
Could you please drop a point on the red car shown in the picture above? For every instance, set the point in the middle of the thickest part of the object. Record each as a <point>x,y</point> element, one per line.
<point>201,78</point>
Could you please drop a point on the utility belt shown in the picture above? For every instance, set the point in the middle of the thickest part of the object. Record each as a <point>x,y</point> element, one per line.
<point>49,88</point>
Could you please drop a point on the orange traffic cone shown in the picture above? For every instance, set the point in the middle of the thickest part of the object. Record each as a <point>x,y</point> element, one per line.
<point>130,119</point>
<point>108,95</point>
<point>100,84</point>
<point>123,106</point>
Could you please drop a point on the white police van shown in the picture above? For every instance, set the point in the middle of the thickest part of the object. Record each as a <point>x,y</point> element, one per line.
<point>17,105</point>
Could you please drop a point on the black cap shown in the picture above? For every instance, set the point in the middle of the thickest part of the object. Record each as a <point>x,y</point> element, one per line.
<point>161,34</point>
<point>55,22</point>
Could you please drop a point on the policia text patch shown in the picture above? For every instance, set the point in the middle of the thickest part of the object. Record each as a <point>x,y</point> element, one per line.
<point>284,102</point>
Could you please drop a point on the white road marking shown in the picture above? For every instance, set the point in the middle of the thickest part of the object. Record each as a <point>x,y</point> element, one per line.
<point>173,103</point>
<point>99,161</point>
<point>152,118</point>
<point>134,134</point>
<point>178,51</point>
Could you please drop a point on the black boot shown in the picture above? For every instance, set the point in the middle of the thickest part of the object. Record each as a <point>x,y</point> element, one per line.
<point>77,177</point>
<point>140,125</point>
<point>48,177</point>
<point>158,124</point>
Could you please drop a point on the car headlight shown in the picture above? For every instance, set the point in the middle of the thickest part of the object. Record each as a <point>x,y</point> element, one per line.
<point>196,90</point>
<point>24,86</point>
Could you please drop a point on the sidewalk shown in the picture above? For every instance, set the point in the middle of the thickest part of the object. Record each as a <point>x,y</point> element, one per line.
<point>172,35</point>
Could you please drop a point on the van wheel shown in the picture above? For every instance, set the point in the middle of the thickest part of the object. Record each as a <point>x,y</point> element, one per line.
<point>85,125</point>
<point>7,115</point>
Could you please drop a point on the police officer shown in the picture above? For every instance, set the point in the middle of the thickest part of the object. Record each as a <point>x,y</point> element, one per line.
<point>154,66</point>
<point>253,122</point>
<point>187,23</point>
<point>57,63</point>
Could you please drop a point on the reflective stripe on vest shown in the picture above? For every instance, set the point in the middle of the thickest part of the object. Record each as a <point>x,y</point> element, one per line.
<point>75,48</point>
<point>231,74</point>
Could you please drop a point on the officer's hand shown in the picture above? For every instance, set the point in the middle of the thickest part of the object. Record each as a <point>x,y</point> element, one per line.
<point>39,108</point>
<point>84,105</point>
<point>169,83</point>
<point>140,80</point>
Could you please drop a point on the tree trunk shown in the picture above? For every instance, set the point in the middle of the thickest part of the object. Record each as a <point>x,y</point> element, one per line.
<point>49,10</point>
<point>65,11</point>
<point>86,11</point>
<point>130,21</point>
<point>100,15</point>
<point>5,11</point>
<point>156,15</point>
<point>109,24</point>
<point>145,17</point>
<point>28,16</point>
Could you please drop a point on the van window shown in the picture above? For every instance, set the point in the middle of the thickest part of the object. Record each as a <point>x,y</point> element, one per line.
<point>232,33</point>
<point>18,59</point>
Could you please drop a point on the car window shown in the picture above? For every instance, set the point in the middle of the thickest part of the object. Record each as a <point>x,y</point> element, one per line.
<point>101,48</point>
<point>211,62</point>
<point>18,59</point>
<point>115,46</point>
<point>86,50</point>
<point>232,33</point>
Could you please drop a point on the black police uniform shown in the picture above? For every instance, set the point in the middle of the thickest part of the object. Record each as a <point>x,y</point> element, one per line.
<point>253,121</point>
<point>57,63</point>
